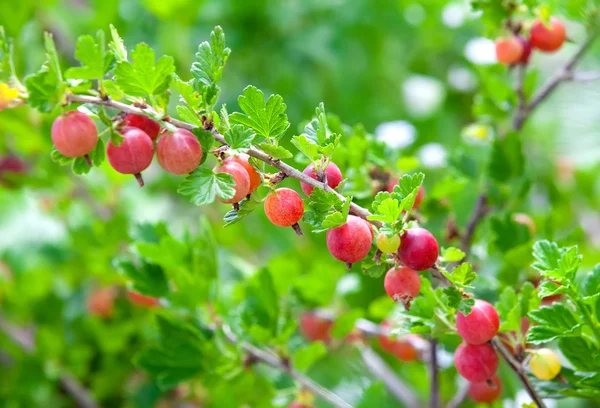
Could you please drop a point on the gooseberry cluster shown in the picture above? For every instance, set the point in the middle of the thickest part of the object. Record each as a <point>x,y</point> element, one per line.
<point>544,36</point>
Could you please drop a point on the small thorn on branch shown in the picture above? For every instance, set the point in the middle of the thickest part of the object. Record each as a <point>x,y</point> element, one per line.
<point>277,178</point>
<point>297,229</point>
<point>236,206</point>
<point>140,180</point>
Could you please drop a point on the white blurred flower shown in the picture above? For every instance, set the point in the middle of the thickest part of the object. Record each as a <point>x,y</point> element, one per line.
<point>481,51</point>
<point>522,398</point>
<point>349,283</point>
<point>397,134</point>
<point>414,14</point>
<point>433,155</point>
<point>423,95</point>
<point>461,79</point>
<point>453,15</point>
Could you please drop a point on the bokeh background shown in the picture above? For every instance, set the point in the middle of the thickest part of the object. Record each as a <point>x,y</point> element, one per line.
<point>409,72</point>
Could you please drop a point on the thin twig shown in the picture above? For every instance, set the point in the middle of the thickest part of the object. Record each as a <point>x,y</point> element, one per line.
<point>478,214</point>
<point>583,76</point>
<point>521,110</point>
<point>289,171</point>
<point>517,367</point>
<point>395,386</point>
<point>434,385</point>
<point>460,396</point>
<point>284,365</point>
<point>25,340</point>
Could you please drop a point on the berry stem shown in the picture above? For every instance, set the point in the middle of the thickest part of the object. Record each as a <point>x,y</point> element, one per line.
<point>140,180</point>
<point>88,160</point>
<point>297,229</point>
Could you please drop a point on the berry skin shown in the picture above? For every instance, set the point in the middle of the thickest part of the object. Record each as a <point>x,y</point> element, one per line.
<point>480,325</point>
<point>485,393</point>
<point>544,364</point>
<point>386,244</point>
<point>548,39</point>
<point>101,301</point>
<point>350,242</point>
<point>138,299</point>
<point>476,363</point>
<point>242,159</point>
<point>144,123</point>
<point>405,349</point>
<point>334,177</point>
<point>418,249</point>
<point>527,48</point>
<point>132,156</point>
<point>314,328</point>
<point>241,181</point>
<point>386,341</point>
<point>74,134</point>
<point>418,198</point>
<point>284,207</point>
<point>402,284</point>
<point>509,50</point>
<point>179,152</point>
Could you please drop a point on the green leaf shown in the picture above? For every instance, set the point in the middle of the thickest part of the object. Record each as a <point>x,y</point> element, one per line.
<point>147,278</point>
<point>112,90</point>
<point>95,62</point>
<point>462,275</point>
<point>508,234</point>
<point>98,155</point>
<point>344,324</point>
<point>267,119</point>
<point>46,87</point>
<point>583,355</point>
<point>276,152</point>
<point>408,184</point>
<point>80,166</point>
<point>591,283</point>
<point>307,147</point>
<point>58,157</point>
<point>202,186</point>
<point>307,355</point>
<point>388,211</point>
<point>239,139</point>
<point>452,254</point>
<point>211,58</point>
<point>552,323</point>
<point>559,264</point>
<point>466,304</point>
<point>187,93</point>
<point>507,160</point>
<point>260,309</point>
<point>144,76</point>
<point>509,310</point>
<point>247,206</point>
<point>206,141</point>
<point>117,46</point>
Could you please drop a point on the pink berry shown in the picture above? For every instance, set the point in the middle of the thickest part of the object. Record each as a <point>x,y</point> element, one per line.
<point>254,175</point>
<point>132,156</point>
<point>418,249</point>
<point>74,134</point>
<point>402,284</point>
<point>350,242</point>
<point>509,50</point>
<point>142,122</point>
<point>548,39</point>
<point>334,177</point>
<point>526,50</point>
<point>480,325</point>
<point>284,207</point>
<point>241,181</point>
<point>315,328</point>
<point>179,152</point>
<point>485,393</point>
<point>476,363</point>
<point>138,299</point>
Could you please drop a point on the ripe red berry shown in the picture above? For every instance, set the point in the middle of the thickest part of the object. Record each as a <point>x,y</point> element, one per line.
<point>138,299</point>
<point>144,123</point>
<point>526,50</point>
<point>334,177</point>
<point>387,341</point>
<point>74,134</point>
<point>315,328</point>
<point>179,152</point>
<point>418,199</point>
<point>284,207</point>
<point>509,50</point>
<point>254,175</point>
<point>476,363</point>
<point>418,249</point>
<point>241,181</point>
<point>484,392</point>
<point>350,242</point>
<point>405,348</point>
<point>402,284</point>
<point>480,325</point>
<point>133,155</point>
<point>101,301</point>
<point>12,164</point>
<point>548,39</point>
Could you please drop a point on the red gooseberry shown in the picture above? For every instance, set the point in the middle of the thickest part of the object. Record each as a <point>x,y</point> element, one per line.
<point>548,38</point>
<point>527,48</point>
<point>284,207</point>
<point>74,134</point>
<point>133,155</point>
<point>509,50</point>
<point>480,325</point>
<point>333,173</point>
<point>254,175</point>
<point>402,284</point>
<point>144,123</point>
<point>179,152</point>
<point>350,242</point>
<point>142,300</point>
<point>241,181</point>
<point>418,249</point>
<point>101,301</point>
<point>476,362</point>
<point>487,391</point>
<point>315,328</point>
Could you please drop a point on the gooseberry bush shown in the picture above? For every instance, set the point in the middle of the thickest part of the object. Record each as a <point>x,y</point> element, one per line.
<point>536,329</point>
